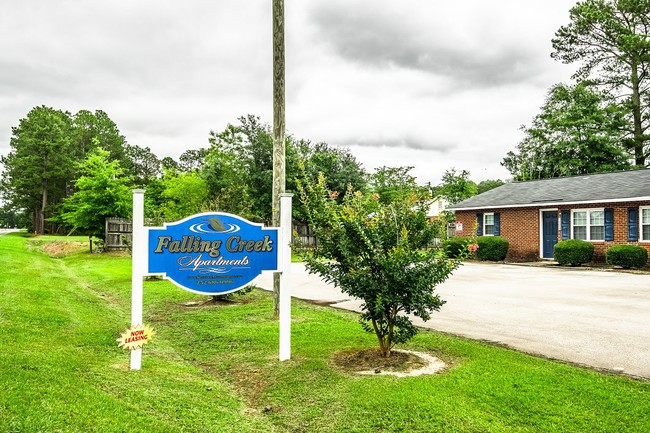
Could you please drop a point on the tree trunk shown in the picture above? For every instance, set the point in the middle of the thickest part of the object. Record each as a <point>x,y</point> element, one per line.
<point>385,349</point>
<point>384,342</point>
<point>39,221</point>
<point>639,139</point>
<point>278,130</point>
<point>391,328</point>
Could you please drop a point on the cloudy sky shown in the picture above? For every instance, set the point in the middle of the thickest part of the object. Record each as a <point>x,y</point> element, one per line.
<point>429,84</point>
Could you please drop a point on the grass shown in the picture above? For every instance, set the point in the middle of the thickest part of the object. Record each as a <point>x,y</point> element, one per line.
<point>214,368</point>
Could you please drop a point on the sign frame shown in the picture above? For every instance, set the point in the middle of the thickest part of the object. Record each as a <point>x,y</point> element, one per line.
<point>196,264</point>
<point>140,269</point>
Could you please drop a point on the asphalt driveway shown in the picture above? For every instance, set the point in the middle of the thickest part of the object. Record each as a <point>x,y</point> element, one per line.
<point>596,318</point>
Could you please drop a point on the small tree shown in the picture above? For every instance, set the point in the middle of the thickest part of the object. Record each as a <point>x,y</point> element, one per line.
<point>378,251</point>
<point>102,191</point>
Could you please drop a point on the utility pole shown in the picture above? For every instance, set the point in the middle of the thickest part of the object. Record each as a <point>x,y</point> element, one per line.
<point>279,172</point>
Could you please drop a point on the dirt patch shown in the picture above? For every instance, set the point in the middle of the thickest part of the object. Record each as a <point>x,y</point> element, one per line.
<point>211,302</point>
<point>401,363</point>
<point>63,248</point>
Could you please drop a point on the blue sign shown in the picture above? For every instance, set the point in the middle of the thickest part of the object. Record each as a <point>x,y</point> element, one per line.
<point>212,253</point>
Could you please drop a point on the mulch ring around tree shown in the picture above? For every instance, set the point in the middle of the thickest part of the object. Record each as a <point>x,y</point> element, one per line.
<point>402,363</point>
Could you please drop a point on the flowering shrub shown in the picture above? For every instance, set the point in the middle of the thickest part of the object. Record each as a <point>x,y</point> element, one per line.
<point>379,252</point>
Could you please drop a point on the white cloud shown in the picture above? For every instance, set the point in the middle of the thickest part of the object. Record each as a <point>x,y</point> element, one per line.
<point>415,83</point>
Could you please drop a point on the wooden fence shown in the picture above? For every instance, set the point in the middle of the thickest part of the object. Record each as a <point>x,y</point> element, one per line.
<point>118,234</point>
<point>303,236</point>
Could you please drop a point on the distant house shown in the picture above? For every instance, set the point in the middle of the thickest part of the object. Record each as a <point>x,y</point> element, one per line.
<point>606,209</point>
<point>437,207</point>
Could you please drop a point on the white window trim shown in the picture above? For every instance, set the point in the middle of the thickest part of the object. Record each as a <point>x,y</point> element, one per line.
<point>640,224</point>
<point>485,225</point>
<point>588,226</point>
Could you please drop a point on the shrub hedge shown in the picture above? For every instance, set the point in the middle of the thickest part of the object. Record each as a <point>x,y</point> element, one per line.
<point>455,248</point>
<point>627,256</point>
<point>493,248</point>
<point>574,252</point>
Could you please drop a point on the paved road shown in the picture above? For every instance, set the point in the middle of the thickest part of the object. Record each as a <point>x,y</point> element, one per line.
<point>5,231</point>
<point>596,318</point>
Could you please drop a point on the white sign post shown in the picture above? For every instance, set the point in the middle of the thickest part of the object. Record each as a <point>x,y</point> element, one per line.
<point>284,261</point>
<point>139,267</point>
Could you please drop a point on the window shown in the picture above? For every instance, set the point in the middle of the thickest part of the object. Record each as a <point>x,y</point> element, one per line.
<point>589,224</point>
<point>488,224</point>
<point>645,223</point>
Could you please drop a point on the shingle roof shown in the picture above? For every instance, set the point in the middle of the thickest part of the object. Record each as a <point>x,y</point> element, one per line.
<point>592,188</point>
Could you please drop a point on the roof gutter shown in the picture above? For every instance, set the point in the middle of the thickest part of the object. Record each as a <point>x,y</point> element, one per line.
<point>551,203</point>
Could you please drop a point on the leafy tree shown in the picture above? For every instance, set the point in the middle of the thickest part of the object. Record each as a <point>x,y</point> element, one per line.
<point>456,187</point>
<point>610,39</point>
<point>246,149</point>
<point>142,163</point>
<point>252,143</point>
<point>184,194</point>
<point>154,201</point>
<point>225,177</point>
<point>339,165</point>
<point>91,130</point>
<point>9,217</point>
<point>40,165</point>
<point>168,163</point>
<point>102,191</point>
<point>395,184</point>
<point>576,132</point>
<point>486,185</point>
<point>192,159</point>
<point>47,148</point>
<point>377,251</point>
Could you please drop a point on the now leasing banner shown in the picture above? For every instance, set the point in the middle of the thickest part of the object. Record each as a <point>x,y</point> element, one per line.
<point>212,253</point>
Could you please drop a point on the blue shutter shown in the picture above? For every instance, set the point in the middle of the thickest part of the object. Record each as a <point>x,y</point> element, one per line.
<point>566,224</point>
<point>632,224</point>
<point>497,224</point>
<point>609,224</point>
<point>479,224</point>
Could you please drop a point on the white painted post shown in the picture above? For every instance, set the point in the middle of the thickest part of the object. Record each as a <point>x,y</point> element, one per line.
<point>284,259</point>
<point>139,264</point>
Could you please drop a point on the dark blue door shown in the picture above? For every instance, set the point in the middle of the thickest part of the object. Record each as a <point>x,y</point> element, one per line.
<point>549,233</point>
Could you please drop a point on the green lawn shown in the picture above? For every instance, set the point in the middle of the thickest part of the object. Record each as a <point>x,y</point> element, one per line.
<point>215,369</point>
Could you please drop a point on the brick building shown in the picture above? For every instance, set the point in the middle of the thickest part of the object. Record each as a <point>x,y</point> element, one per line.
<point>605,209</point>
